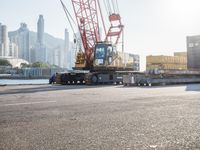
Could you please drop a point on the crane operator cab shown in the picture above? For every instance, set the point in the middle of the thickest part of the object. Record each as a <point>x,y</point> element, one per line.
<point>104,54</point>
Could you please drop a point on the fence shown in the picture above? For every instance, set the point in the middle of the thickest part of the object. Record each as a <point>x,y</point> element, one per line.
<point>40,72</point>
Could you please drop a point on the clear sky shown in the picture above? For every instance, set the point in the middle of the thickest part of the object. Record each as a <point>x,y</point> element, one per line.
<point>151,26</point>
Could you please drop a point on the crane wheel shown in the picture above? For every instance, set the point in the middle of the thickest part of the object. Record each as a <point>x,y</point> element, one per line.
<point>94,79</point>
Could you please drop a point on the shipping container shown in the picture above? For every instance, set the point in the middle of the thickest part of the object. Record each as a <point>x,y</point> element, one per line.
<point>180,54</point>
<point>166,63</point>
<point>166,60</point>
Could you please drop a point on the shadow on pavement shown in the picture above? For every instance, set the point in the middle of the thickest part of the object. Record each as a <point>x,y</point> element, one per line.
<point>193,87</point>
<point>47,88</point>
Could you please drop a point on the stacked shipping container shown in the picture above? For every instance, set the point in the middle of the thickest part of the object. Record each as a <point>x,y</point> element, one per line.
<point>177,62</point>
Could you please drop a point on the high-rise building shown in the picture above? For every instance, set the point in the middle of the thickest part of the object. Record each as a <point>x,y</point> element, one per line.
<point>13,50</point>
<point>32,54</point>
<point>21,38</point>
<point>40,30</point>
<point>3,40</point>
<point>41,54</point>
<point>4,37</point>
<point>54,56</point>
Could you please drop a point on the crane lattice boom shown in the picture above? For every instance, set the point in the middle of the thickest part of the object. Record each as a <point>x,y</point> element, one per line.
<point>88,24</point>
<point>88,14</point>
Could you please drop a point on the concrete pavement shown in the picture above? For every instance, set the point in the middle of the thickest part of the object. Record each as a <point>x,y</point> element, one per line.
<point>45,117</point>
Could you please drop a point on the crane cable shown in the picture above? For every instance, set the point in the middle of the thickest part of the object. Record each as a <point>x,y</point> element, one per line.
<point>109,7</point>
<point>69,16</point>
<point>106,7</point>
<point>117,6</point>
<point>113,5</point>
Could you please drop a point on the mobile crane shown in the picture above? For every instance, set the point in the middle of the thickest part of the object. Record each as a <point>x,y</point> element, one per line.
<point>99,57</point>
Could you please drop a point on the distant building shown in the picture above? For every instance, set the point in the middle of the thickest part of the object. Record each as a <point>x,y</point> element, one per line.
<point>57,56</point>
<point>13,50</point>
<point>193,50</point>
<point>4,50</point>
<point>4,39</point>
<point>32,54</point>
<point>21,38</point>
<point>54,56</point>
<point>39,46</point>
<point>41,54</point>
<point>40,30</point>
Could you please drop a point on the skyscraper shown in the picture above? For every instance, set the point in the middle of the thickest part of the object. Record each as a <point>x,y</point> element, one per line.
<point>40,30</point>
<point>41,54</point>
<point>21,38</point>
<point>13,50</point>
<point>3,40</point>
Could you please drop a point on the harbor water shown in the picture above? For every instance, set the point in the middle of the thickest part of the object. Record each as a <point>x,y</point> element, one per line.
<point>23,82</point>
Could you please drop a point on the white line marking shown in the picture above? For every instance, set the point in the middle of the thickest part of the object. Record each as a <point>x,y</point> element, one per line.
<point>30,103</point>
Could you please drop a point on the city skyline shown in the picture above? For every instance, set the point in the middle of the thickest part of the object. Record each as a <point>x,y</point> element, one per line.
<point>138,21</point>
<point>35,46</point>
<point>151,27</point>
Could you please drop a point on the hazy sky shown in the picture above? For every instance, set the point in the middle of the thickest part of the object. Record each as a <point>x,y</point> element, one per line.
<point>151,26</point>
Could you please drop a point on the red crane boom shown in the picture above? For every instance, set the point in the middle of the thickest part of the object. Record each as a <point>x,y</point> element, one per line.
<point>86,12</point>
<point>88,24</point>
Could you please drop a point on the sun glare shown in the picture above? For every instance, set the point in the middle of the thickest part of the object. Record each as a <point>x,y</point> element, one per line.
<point>184,8</point>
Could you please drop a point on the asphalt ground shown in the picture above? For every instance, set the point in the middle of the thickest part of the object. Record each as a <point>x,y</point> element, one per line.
<point>45,117</point>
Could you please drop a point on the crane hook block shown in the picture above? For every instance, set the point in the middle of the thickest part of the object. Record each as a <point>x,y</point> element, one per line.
<point>114,17</point>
